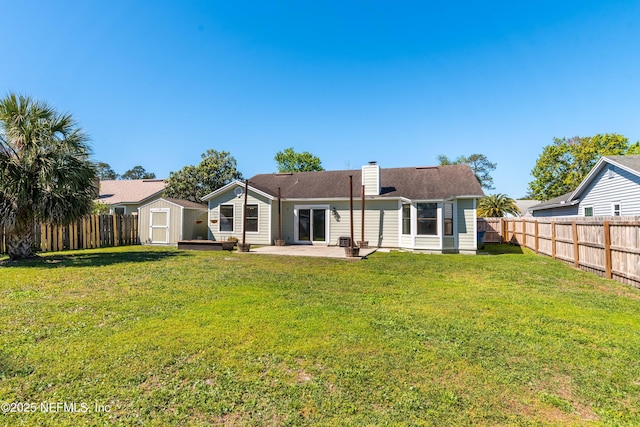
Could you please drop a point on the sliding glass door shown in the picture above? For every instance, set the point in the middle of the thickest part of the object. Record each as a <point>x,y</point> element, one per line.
<point>311,225</point>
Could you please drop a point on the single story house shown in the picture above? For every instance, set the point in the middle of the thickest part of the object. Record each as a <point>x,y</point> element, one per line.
<point>419,208</point>
<point>166,221</point>
<point>125,196</point>
<point>612,188</point>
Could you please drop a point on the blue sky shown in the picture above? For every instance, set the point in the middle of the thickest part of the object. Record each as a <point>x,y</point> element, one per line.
<point>158,83</point>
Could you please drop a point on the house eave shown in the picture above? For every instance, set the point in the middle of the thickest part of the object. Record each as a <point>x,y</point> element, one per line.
<point>554,206</point>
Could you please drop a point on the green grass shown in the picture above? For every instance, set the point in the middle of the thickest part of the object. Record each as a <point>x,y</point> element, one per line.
<point>165,337</point>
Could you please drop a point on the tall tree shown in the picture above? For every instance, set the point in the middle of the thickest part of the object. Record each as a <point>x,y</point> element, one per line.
<point>479,163</point>
<point>564,163</point>
<point>138,172</point>
<point>45,171</point>
<point>215,170</point>
<point>497,205</point>
<point>105,172</point>
<point>290,161</point>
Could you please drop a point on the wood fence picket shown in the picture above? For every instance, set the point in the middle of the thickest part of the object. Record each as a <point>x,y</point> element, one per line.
<point>92,231</point>
<point>607,246</point>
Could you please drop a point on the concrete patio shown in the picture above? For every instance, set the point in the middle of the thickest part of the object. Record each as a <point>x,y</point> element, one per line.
<point>310,250</point>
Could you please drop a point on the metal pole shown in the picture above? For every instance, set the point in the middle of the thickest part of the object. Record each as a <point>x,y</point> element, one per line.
<point>244,215</point>
<point>351,207</point>
<point>279,215</point>
<point>362,228</point>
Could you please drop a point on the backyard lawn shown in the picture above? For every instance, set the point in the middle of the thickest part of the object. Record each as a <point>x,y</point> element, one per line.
<point>155,336</point>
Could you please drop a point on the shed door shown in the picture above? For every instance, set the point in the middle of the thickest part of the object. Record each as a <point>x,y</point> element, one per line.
<point>159,221</point>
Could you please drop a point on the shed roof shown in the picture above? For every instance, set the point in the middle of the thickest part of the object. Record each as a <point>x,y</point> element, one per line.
<point>416,183</point>
<point>113,192</point>
<point>186,203</point>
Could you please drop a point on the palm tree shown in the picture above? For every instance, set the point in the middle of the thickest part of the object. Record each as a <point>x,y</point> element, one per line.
<point>45,172</point>
<point>497,205</point>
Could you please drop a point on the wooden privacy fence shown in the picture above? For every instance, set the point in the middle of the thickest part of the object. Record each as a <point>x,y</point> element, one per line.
<point>93,231</point>
<point>607,246</point>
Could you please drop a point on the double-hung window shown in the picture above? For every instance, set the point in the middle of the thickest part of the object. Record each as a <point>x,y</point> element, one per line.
<point>427,219</point>
<point>252,218</point>
<point>448,219</point>
<point>226,217</point>
<point>406,218</point>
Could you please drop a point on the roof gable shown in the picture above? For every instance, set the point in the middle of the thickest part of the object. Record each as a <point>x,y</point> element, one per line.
<point>630,163</point>
<point>232,184</point>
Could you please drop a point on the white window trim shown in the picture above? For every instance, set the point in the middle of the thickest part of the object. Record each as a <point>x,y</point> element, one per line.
<point>453,219</point>
<point>402,205</point>
<point>327,221</point>
<point>220,218</point>
<point>439,223</point>
<point>584,211</point>
<point>613,208</point>
<point>258,206</point>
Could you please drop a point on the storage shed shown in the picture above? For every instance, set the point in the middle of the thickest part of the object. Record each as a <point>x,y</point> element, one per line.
<point>165,221</point>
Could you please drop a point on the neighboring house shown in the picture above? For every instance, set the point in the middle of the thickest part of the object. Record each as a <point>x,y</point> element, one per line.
<point>421,208</point>
<point>166,221</point>
<point>524,207</point>
<point>125,196</point>
<point>612,188</point>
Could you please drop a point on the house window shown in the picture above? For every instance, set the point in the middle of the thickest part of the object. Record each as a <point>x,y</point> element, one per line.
<point>616,209</point>
<point>588,211</point>
<point>252,218</point>
<point>226,217</point>
<point>427,219</point>
<point>406,218</point>
<point>448,219</point>
<point>118,211</point>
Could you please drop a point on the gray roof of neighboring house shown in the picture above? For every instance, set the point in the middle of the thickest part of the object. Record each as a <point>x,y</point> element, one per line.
<point>113,192</point>
<point>525,205</point>
<point>553,203</point>
<point>629,161</point>
<point>416,183</point>
<point>186,203</point>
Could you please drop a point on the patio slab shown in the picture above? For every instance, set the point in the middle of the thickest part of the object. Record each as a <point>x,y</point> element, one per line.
<point>310,250</point>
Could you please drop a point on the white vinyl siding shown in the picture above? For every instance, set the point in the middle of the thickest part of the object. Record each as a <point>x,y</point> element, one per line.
<point>466,225</point>
<point>184,223</point>
<point>381,221</point>
<point>261,237</point>
<point>613,186</point>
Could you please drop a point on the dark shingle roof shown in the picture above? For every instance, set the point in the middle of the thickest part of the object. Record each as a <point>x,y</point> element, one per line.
<point>186,203</point>
<point>629,161</point>
<point>422,183</point>
<point>553,203</point>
